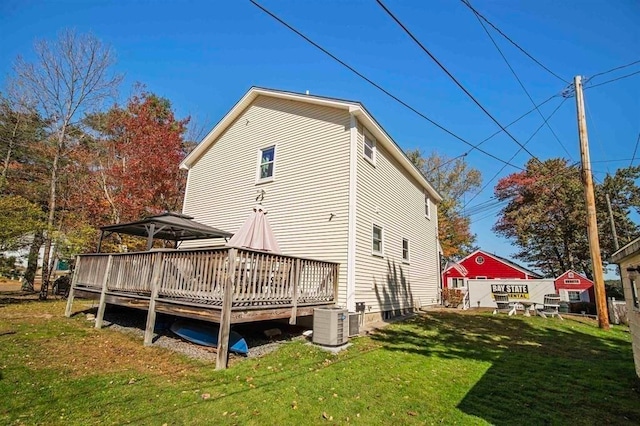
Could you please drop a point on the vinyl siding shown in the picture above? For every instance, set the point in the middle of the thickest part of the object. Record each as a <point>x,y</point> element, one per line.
<point>633,313</point>
<point>310,183</point>
<point>389,197</point>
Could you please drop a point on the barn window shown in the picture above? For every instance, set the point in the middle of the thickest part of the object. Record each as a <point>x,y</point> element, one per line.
<point>574,296</point>
<point>479,260</point>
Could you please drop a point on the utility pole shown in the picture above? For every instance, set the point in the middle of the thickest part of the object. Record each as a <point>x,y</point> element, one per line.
<point>613,224</point>
<point>592,224</point>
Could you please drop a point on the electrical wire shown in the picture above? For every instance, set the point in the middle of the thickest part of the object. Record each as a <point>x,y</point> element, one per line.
<point>446,71</point>
<point>466,3</point>
<point>377,86</point>
<point>612,80</point>
<point>514,155</point>
<point>614,69</point>
<point>516,76</point>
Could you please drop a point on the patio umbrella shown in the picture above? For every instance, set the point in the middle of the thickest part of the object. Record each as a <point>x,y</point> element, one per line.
<point>255,233</point>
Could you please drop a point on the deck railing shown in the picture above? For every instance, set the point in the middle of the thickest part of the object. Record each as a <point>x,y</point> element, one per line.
<point>198,276</point>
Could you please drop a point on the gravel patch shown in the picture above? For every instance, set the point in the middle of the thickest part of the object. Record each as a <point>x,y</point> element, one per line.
<point>133,321</point>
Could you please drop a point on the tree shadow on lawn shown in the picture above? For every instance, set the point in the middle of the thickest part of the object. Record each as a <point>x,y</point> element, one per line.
<point>542,371</point>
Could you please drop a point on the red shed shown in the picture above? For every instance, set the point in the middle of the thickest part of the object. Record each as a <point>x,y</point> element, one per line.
<point>573,287</point>
<point>483,265</point>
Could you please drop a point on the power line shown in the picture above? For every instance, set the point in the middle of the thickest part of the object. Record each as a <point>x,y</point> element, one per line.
<point>634,151</point>
<point>377,86</point>
<point>612,80</point>
<point>614,69</point>
<point>515,75</point>
<point>446,71</point>
<point>466,3</point>
<point>514,155</point>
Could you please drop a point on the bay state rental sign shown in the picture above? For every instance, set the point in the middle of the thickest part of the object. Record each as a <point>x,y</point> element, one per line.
<point>518,290</point>
<point>515,291</point>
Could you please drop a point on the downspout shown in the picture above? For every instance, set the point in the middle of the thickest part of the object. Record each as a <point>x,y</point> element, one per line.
<point>351,241</point>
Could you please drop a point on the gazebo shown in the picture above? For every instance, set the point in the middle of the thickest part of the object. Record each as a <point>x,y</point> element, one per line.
<point>170,226</point>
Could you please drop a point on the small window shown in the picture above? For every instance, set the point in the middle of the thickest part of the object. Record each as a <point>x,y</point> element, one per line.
<point>479,260</point>
<point>427,206</point>
<point>405,250</point>
<point>481,278</point>
<point>369,148</point>
<point>570,274</point>
<point>377,240</point>
<point>266,163</point>
<point>574,296</point>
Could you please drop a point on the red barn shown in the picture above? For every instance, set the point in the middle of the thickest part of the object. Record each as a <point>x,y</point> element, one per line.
<point>483,265</point>
<point>573,287</point>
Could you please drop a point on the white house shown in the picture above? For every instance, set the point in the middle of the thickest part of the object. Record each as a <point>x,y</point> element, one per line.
<point>336,188</point>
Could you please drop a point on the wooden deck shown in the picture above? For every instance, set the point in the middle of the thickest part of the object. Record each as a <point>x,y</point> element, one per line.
<point>223,285</point>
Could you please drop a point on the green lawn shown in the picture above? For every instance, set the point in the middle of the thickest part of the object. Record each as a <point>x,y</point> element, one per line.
<point>438,368</point>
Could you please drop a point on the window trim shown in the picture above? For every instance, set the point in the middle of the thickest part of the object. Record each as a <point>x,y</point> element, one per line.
<point>271,178</point>
<point>381,252</point>
<point>407,259</point>
<point>366,135</point>
<point>427,205</point>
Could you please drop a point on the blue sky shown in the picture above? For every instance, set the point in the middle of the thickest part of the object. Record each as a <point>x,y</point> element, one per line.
<point>203,56</point>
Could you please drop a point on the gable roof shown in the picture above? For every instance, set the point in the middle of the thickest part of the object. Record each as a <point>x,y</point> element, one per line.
<point>503,260</point>
<point>353,107</point>
<point>575,273</point>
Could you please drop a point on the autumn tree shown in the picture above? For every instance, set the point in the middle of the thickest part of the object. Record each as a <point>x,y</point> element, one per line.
<point>133,160</point>
<point>67,79</point>
<point>545,214</point>
<point>452,178</point>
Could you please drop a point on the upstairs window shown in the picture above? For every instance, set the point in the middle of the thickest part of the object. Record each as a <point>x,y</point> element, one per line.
<point>266,163</point>
<point>369,148</point>
<point>427,206</point>
<point>377,240</point>
<point>405,250</point>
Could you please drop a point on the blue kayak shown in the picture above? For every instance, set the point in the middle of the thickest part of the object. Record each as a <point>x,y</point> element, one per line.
<point>206,334</point>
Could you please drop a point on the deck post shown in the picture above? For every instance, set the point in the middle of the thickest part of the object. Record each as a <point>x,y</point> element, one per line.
<point>74,280</point>
<point>155,288</point>
<point>225,315</point>
<point>103,295</point>
<point>295,291</point>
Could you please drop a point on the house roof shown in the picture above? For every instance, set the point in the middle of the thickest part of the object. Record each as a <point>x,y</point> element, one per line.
<point>167,226</point>
<point>626,251</point>
<point>353,107</point>
<point>503,260</point>
<point>575,273</point>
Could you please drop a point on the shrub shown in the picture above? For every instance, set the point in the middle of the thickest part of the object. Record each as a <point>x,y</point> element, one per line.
<point>579,307</point>
<point>452,297</point>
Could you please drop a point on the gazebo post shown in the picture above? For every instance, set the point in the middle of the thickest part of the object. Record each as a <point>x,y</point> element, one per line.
<point>225,315</point>
<point>100,241</point>
<point>152,231</point>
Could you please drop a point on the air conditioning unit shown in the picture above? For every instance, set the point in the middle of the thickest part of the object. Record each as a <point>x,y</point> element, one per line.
<point>354,323</point>
<point>330,326</point>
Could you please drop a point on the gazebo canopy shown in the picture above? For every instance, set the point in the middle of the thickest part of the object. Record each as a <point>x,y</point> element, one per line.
<point>167,226</point>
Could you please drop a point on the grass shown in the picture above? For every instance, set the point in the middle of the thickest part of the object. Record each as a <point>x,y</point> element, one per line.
<point>440,367</point>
